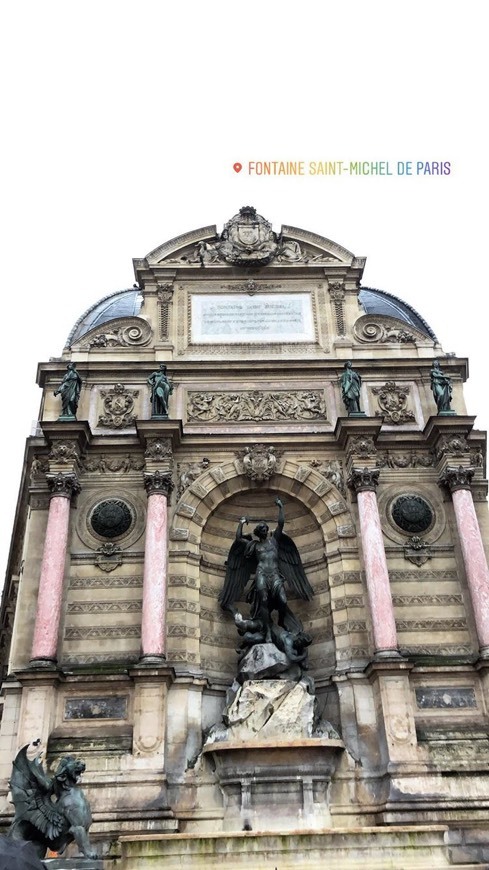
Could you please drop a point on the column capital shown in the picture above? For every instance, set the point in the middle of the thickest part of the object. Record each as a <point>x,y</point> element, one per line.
<point>158,482</point>
<point>455,478</point>
<point>363,479</point>
<point>63,483</point>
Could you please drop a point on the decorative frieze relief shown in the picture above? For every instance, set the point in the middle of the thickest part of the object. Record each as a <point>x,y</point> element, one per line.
<point>102,632</point>
<point>131,582</point>
<point>427,600</point>
<point>102,464</point>
<point>392,400</point>
<point>458,623</point>
<point>130,606</point>
<point>118,407</point>
<point>405,460</point>
<point>256,406</point>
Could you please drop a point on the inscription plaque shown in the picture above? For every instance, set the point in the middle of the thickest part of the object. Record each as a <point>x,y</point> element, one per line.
<point>269,317</point>
<point>454,697</point>
<point>110,707</point>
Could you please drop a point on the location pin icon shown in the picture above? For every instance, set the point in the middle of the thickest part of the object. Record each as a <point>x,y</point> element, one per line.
<point>237,167</point>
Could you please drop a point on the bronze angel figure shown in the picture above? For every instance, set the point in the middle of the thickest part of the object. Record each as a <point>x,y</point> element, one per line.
<point>274,560</point>
<point>50,812</point>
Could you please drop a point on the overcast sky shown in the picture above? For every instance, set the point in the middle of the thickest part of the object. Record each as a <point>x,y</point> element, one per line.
<point>122,122</point>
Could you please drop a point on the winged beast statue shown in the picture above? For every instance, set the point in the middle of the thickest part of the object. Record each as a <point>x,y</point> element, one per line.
<point>51,812</point>
<point>274,560</point>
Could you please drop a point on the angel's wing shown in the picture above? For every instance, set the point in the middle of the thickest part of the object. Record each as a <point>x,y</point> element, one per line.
<point>238,571</point>
<point>31,795</point>
<point>292,568</point>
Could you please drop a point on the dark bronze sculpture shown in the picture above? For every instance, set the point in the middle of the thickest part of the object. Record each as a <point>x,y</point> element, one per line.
<point>69,390</point>
<point>350,389</point>
<point>274,560</point>
<point>441,387</point>
<point>50,812</point>
<point>161,389</point>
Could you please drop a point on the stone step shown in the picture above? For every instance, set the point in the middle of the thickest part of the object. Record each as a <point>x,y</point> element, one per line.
<point>377,848</point>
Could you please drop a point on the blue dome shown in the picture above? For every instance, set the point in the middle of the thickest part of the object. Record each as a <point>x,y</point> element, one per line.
<point>380,302</point>
<point>122,303</point>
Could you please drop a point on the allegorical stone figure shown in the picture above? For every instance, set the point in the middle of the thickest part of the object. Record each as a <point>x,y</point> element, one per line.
<point>161,390</point>
<point>273,559</point>
<point>69,390</point>
<point>441,387</point>
<point>350,389</point>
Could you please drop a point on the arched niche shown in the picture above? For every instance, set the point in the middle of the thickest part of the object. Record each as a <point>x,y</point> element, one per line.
<point>204,526</point>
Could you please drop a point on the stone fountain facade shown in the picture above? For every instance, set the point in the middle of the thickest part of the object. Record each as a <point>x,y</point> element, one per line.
<point>115,647</point>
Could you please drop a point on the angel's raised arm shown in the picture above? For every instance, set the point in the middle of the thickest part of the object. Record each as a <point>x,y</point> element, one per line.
<point>280,519</point>
<point>239,530</point>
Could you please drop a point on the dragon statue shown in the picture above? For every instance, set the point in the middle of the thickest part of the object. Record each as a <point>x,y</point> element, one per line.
<point>50,812</point>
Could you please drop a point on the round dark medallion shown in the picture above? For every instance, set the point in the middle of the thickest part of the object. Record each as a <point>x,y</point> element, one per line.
<point>111,518</point>
<point>412,514</point>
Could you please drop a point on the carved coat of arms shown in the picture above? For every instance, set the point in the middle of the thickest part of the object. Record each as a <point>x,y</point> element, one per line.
<point>248,239</point>
<point>118,407</point>
<point>258,462</point>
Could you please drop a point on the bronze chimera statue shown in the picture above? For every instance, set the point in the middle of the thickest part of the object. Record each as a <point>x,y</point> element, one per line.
<point>50,812</point>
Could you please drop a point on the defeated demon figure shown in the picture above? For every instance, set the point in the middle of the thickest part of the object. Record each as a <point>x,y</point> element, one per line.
<point>47,823</point>
<point>293,645</point>
<point>273,559</point>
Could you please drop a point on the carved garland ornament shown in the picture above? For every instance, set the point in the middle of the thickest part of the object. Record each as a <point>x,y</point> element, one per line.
<point>256,405</point>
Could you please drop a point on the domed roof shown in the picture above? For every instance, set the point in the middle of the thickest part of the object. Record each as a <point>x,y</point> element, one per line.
<point>379,302</point>
<point>122,303</point>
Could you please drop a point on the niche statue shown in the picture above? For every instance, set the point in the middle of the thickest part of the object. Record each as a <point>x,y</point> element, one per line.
<point>441,387</point>
<point>50,812</point>
<point>273,559</point>
<point>350,390</point>
<point>69,390</point>
<point>161,389</point>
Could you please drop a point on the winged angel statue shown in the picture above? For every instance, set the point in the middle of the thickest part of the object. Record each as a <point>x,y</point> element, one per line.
<point>50,812</point>
<point>273,560</point>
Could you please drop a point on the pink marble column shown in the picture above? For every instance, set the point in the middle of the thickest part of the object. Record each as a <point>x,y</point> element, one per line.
<point>364,482</point>
<point>50,596</point>
<point>458,481</point>
<point>153,627</point>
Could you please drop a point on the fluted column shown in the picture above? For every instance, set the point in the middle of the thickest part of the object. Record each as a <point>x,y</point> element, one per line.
<point>153,628</point>
<point>458,482</point>
<point>63,486</point>
<point>364,482</point>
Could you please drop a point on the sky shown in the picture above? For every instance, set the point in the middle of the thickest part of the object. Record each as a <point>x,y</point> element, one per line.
<point>122,122</point>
